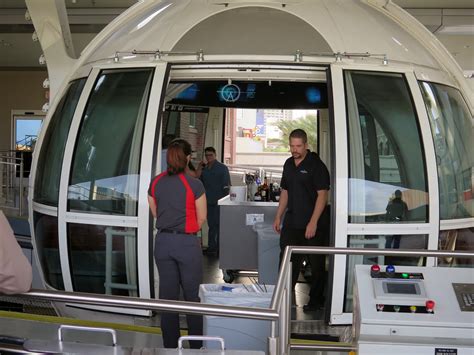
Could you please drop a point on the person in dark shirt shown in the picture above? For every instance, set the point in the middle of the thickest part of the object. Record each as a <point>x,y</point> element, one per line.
<point>304,196</point>
<point>178,202</point>
<point>216,179</point>
<point>397,211</point>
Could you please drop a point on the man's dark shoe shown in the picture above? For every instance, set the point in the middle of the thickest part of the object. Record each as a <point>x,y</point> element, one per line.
<point>313,307</point>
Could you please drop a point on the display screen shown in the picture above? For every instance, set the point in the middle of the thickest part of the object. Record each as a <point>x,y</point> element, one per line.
<point>245,94</point>
<point>402,288</point>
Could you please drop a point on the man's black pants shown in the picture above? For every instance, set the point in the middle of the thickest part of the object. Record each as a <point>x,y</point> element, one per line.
<point>295,237</point>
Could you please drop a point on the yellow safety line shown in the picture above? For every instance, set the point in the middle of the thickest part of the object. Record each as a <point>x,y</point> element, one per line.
<point>125,327</point>
<point>320,342</point>
<point>86,323</point>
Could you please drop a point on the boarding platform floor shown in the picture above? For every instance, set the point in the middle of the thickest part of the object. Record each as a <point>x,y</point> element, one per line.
<point>37,319</point>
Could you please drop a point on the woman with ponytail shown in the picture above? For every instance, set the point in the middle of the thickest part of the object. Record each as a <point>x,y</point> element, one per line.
<point>178,202</point>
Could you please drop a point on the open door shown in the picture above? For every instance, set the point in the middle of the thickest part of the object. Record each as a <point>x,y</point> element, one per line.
<point>382,175</point>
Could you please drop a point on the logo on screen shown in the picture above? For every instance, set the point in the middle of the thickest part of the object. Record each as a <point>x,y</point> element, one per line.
<point>229,93</point>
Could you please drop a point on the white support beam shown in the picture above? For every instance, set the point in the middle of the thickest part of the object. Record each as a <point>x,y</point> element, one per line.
<point>52,27</point>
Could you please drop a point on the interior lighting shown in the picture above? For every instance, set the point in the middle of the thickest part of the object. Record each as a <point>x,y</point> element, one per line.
<point>4,43</point>
<point>298,56</point>
<point>200,55</point>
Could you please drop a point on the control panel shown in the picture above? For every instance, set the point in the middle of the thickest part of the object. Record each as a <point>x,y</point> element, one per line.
<point>400,291</point>
<point>413,310</point>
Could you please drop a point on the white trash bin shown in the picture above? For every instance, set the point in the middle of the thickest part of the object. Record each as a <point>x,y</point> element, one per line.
<point>268,260</point>
<point>238,333</point>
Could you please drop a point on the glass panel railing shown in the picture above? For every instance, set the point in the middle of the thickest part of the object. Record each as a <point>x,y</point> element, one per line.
<point>103,259</point>
<point>47,247</point>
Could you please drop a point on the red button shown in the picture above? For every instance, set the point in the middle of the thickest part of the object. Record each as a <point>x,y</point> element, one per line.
<point>375,268</point>
<point>430,304</point>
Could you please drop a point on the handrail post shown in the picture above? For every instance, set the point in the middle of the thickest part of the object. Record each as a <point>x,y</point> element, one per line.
<point>2,198</point>
<point>272,345</point>
<point>20,205</point>
<point>287,310</point>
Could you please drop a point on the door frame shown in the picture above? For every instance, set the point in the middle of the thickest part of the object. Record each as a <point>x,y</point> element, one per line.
<point>342,228</point>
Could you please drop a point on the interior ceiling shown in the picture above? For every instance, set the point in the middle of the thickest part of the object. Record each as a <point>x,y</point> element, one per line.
<point>88,17</point>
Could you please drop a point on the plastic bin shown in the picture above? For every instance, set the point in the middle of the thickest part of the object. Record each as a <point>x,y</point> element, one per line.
<point>268,259</point>
<point>238,333</point>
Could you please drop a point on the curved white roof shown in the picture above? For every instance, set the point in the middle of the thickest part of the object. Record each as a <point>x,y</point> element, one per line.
<point>273,27</point>
<point>260,27</point>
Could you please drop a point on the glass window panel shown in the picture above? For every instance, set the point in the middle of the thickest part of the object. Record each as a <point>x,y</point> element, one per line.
<point>47,247</point>
<point>105,169</point>
<point>451,126</point>
<point>380,242</point>
<point>50,159</point>
<point>456,240</point>
<point>189,123</point>
<point>26,132</point>
<point>103,259</point>
<point>387,176</point>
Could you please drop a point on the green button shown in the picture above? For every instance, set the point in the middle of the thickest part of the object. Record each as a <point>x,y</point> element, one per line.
<point>405,276</point>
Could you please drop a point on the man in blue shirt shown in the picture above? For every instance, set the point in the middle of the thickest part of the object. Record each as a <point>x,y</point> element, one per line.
<point>216,179</point>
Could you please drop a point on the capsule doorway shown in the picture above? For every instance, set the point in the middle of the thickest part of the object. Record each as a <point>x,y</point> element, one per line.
<point>246,113</point>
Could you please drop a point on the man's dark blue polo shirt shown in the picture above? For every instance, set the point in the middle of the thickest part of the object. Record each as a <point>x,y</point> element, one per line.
<point>216,180</point>
<point>303,183</point>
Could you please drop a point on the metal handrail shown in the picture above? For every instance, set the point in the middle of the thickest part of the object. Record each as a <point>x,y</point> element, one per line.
<point>16,163</point>
<point>279,307</point>
<point>154,304</point>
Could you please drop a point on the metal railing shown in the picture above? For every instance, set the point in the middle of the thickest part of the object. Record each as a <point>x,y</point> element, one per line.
<point>278,313</point>
<point>11,180</point>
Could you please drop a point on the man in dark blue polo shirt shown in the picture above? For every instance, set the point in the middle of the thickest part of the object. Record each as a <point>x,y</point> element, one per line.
<point>304,196</point>
<point>216,179</point>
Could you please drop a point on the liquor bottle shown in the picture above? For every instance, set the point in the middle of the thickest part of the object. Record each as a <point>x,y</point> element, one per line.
<point>258,195</point>
<point>276,192</point>
<point>265,190</point>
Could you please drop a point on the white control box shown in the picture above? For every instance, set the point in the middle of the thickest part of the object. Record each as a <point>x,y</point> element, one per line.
<point>414,310</point>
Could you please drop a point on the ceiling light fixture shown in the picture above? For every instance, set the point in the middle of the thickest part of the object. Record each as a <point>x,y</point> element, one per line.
<point>4,43</point>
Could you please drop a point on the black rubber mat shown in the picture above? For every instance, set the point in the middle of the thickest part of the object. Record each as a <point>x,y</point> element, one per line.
<point>318,337</point>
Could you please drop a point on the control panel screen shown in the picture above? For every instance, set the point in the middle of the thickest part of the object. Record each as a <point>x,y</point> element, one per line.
<point>402,288</point>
